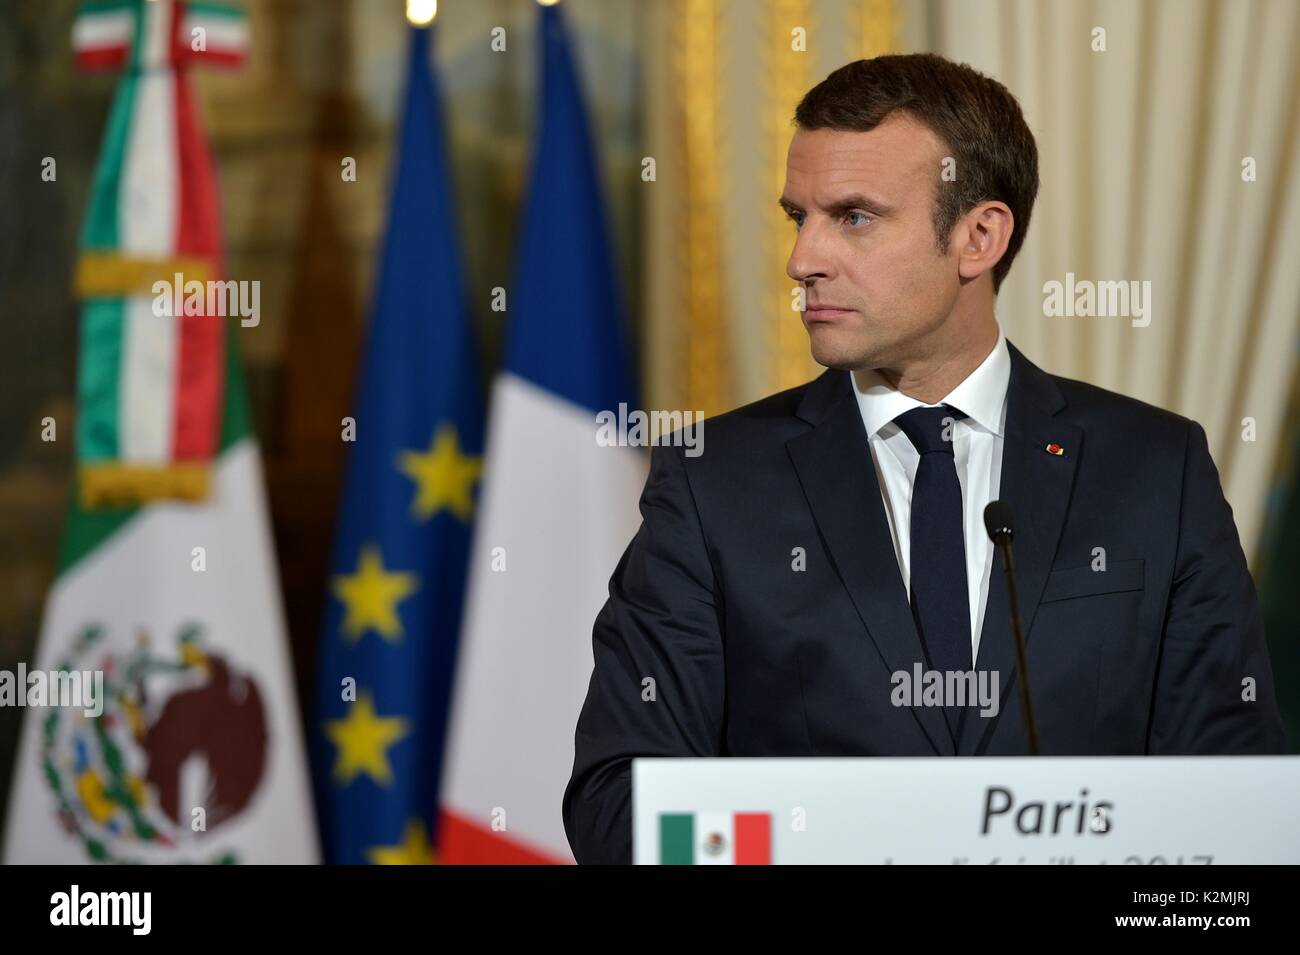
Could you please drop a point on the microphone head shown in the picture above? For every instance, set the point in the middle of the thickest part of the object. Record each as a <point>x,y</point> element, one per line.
<point>999,522</point>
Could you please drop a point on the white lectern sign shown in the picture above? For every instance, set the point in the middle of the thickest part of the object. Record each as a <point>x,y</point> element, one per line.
<point>1171,810</point>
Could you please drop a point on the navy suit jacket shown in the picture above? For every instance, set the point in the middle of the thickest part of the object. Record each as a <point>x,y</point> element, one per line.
<point>751,657</point>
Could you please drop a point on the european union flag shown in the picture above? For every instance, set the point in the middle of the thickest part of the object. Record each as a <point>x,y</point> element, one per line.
<point>398,569</point>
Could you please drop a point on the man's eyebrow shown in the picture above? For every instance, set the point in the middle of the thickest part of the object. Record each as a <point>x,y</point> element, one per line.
<point>844,204</point>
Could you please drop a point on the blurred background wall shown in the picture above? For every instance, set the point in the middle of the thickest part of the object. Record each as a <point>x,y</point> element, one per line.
<point>323,82</point>
<point>1142,148</point>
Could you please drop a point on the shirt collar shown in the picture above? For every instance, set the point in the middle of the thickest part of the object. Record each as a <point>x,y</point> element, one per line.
<point>981,395</point>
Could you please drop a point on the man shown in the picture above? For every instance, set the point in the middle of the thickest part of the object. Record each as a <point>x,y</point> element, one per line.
<point>831,542</point>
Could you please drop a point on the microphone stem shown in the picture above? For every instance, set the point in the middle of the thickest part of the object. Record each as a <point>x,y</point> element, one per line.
<point>1026,704</point>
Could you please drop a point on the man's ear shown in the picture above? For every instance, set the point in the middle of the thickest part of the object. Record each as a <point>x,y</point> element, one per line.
<point>982,236</point>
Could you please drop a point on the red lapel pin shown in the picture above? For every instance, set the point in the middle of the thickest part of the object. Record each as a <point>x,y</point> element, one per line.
<point>1054,449</point>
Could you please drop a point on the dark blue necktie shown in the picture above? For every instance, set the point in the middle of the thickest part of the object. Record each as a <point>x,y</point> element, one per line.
<point>940,604</point>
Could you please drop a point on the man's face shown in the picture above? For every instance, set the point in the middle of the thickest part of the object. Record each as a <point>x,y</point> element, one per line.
<point>878,291</point>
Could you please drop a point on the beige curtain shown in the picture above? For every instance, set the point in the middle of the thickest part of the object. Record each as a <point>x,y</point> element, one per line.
<point>1143,145</point>
<point>1142,149</point>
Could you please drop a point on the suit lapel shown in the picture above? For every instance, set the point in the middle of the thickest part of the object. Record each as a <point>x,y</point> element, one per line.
<point>834,465</point>
<point>1037,486</point>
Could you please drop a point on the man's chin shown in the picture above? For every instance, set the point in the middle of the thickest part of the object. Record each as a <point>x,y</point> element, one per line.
<point>835,348</point>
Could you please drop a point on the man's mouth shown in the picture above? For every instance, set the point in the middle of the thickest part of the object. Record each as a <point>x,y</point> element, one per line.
<point>825,313</point>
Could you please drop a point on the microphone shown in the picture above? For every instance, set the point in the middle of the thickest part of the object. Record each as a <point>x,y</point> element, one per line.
<point>1000,524</point>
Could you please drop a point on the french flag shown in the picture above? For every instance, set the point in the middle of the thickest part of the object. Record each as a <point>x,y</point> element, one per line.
<point>556,508</point>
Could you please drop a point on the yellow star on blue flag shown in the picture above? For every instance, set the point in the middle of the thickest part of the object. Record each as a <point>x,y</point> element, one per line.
<point>401,543</point>
<point>444,476</point>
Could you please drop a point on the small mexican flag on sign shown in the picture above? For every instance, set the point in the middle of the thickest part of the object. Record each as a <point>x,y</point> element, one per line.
<point>715,838</point>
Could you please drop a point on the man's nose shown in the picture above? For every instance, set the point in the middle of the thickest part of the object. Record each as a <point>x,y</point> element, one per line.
<point>808,259</point>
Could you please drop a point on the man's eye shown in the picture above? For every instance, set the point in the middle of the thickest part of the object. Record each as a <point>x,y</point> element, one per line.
<point>864,218</point>
<point>796,218</point>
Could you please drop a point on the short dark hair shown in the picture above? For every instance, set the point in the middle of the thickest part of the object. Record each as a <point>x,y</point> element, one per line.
<point>976,117</point>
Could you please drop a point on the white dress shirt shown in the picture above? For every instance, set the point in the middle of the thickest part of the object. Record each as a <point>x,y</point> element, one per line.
<point>977,451</point>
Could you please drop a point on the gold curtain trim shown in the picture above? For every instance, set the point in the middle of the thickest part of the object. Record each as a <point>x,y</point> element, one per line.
<point>788,78</point>
<point>702,333</point>
<point>879,32</point>
<point>881,27</point>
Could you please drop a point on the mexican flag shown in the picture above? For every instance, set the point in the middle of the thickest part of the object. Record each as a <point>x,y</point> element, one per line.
<point>149,379</point>
<point>715,838</point>
<point>167,598</point>
<point>198,754</point>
